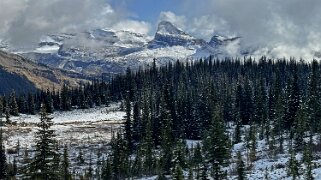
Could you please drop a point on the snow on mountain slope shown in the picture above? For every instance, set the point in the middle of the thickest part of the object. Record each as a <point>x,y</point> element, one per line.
<point>169,35</point>
<point>107,51</point>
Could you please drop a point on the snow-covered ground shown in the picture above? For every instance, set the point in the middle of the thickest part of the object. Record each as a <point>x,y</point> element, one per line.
<point>87,131</point>
<point>79,115</point>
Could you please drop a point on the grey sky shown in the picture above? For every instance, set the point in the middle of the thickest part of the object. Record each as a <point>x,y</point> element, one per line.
<point>286,27</point>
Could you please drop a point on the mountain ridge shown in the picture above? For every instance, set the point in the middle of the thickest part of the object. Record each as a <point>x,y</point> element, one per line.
<point>34,75</point>
<point>106,51</point>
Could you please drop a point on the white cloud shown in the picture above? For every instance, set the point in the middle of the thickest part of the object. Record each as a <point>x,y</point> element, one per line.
<point>141,27</point>
<point>201,27</point>
<point>179,21</point>
<point>24,22</point>
<point>287,27</point>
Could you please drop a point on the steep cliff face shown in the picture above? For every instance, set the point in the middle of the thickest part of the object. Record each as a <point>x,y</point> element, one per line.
<point>169,35</point>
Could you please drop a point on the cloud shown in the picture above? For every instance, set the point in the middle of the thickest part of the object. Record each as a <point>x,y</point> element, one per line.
<point>178,21</point>
<point>200,26</point>
<point>24,22</point>
<point>141,27</point>
<point>287,28</point>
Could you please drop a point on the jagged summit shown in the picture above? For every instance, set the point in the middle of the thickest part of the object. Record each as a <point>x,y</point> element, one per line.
<point>109,51</point>
<point>169,35</point>
<point>166,27</point>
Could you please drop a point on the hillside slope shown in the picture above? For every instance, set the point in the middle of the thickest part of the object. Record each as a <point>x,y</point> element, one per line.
<point>23,75</point>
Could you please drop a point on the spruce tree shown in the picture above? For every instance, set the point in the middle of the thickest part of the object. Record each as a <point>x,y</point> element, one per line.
<point>307,159</point>
<point>237,135</point>
<point>300,127</point>
<point>294,98</point>
<point>293,166</point>
<point>240,167</point>
<point>107,171</point>
<point>42,166</point>
<point>13,105</point>
<point>216,144</point>
<point>1,111</point>
<point>148,149</point>
<point>3,158</point>
<point>197,155</point>
<point>128,125</point>
<point>7,113</point>
<point>65,165</point>
<point>178,173</point>
<point>31,104</point>
<point>314,97</point>
<point>137,126</point>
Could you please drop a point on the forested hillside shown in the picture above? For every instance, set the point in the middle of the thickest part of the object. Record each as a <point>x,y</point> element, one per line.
<point>206,118</point>
<point>11,81</point>
<point>23,75</point>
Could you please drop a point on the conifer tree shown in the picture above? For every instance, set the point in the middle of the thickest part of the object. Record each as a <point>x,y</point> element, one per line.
<point>314,97</point>
<point>3,158</point>
<point>31,104</point>
<point>80,158</point>
<point>293,99</point>
<point>148,149</point>
<point>203,173</point>
<point>190,174</point>
<point>237,135</point>
<point>65,165</point>
<point>65,99</point>
<point>49,102</point>
<point>216,144</point>
<point>307,158</point>
<point>13,105</point>
<point>300,127</point>
<point>1,111</point>
<point>107,172</point>
<point>166,135</point>
<point>42,165</point>
<point>178,172</point>
<point>128,125</point>
<point>197,155</point>
<point>293,167</point>
<point>240,167</point>
<point>137,126</point>
<point>7,112</point>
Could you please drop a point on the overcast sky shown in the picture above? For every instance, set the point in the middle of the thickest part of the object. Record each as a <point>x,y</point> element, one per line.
<point>287,27</point>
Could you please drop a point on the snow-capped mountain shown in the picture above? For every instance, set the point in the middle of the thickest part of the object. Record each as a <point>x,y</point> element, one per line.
<point>106,51</point>
<point>169,35</point>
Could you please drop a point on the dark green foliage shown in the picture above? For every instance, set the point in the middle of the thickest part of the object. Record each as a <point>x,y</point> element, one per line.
<point>177,173</point>
<point>293,167</point>
<point>237,136</point>
<point>80,158</point>
<point>3,158</point>
<point>216,143</point>
<point>294,99</point>
<point>240,167</point>
<point>13,105</point>
<point>195,100</point>
<point>65,165</point>
<point>128,125</point>
<point>107,171</point>
<point>43,164</point>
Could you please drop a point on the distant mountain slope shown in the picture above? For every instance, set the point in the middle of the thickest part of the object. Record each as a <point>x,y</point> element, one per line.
<point>23,75</point>
<point>106,51</point>
<point>11,81</point>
